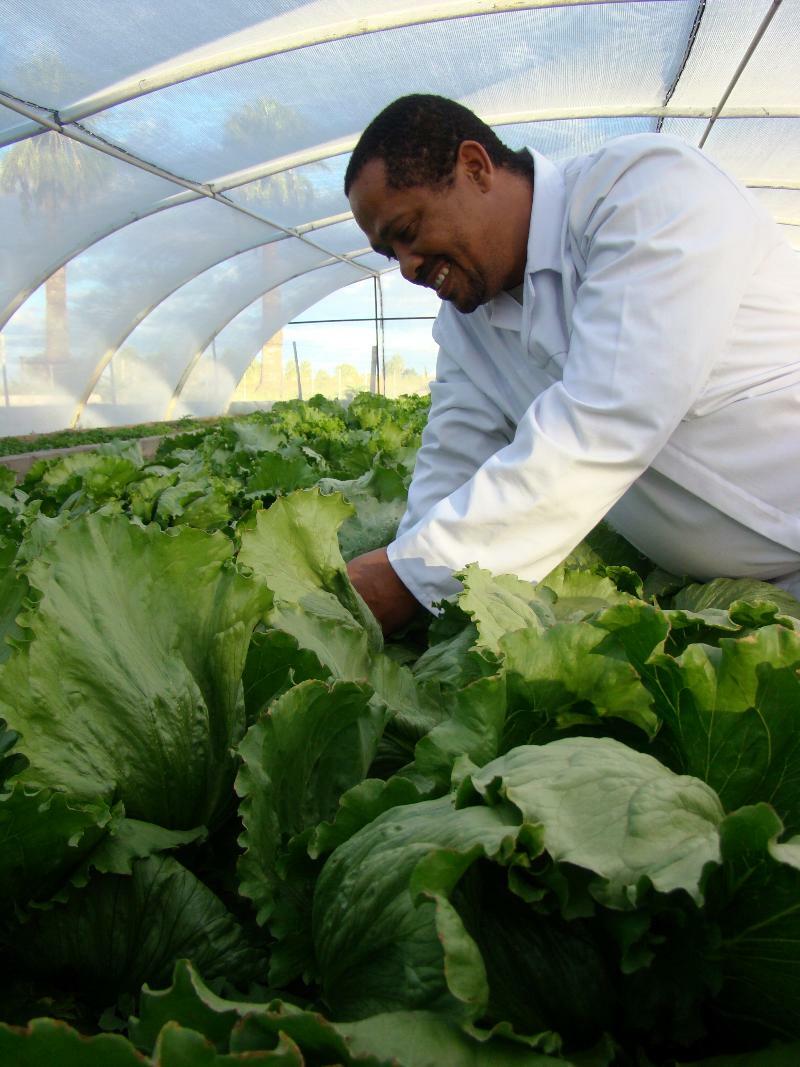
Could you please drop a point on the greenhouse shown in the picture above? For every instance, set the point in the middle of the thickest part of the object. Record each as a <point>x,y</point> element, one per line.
<point>400,675</point>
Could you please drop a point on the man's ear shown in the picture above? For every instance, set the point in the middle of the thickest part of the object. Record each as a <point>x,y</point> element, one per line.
<point>473,160</point>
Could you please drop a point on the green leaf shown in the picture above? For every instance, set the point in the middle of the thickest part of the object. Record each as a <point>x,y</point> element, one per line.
<point>474,730</point>
<point>732,717</point>
<point>129,840</point>
<point>144,493</point>
<point>636,630</point>
<point>379,949</point>
<point>423,1039</point>
<point>45,836</point>
<point>755,901</point>
<point>274,473</point>
<point>324,628</point>
<point>275,662</point>
<point>500,605</point>
<point>8,479</point>
<point>379,499</point>
<point>725,592</point>
<point>122,930</point>
<point>177,1047</point>
<point>295,550</point>
<point>360,806</point>
<point>603,546</point>
<point>189,1002</point>
<point>451,662</point>
<point>129,686</point>
<point>13,589</point>
<point>313,744</point>
<point>564,675</point>
<point>46,1042</point>
<point>615,812</point>
<point>580,593</point>
<point>544,972</point>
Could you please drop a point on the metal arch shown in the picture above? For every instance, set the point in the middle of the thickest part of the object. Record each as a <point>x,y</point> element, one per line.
<point>771,183</point>
<point>116,345</point>
<point>192,364</point>
<point>162,205</point>
<point>267,44</point>
<point>343,145</point>
<point>195,191</point>
<point>762,29</point>
<point>197,188</point>
<point>282,235</point>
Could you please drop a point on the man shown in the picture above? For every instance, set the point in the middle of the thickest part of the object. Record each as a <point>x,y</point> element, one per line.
<point>619,336</point>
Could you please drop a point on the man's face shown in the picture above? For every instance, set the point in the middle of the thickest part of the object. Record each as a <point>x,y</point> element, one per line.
<point>443,238</point>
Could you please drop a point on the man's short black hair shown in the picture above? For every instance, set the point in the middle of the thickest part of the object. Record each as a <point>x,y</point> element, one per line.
<point>418,138</point>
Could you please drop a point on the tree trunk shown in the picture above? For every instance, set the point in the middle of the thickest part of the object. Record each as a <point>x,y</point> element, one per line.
<point>56,325</point>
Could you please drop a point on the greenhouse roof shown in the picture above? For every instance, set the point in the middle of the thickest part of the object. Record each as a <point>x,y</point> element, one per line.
<point>171,176</point>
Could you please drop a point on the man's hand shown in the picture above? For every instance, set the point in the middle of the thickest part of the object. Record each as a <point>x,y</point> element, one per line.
<point>375,579</point>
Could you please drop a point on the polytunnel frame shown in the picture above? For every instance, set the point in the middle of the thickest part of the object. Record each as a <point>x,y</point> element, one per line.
<point>449,10</point>
<point>211,338</point>
<point>137,86</point>
<point>114,348</point>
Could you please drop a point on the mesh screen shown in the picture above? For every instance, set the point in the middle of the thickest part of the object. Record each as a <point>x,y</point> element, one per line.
<point>342,237</point>
<point>607,54</point>
<point>109,288</point>
<point>57,196</point>
<point>571,137</point>
<point>726,30</point>
<point>299,195</point>
<point>212,383</point>
<point>784,204</point>
<point>753,149</point>
<point>143,374</point>
<point>155,290</point>
<point>373,261</point>
<point>61,51</point>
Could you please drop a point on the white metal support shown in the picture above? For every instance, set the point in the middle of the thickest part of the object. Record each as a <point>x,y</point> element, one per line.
<point>266,40</point>
<point>199,189</point>
<point>740,69</point>
<point>190,366</point>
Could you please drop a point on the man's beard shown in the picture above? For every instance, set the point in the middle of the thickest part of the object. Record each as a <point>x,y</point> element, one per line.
<point>473,294</point>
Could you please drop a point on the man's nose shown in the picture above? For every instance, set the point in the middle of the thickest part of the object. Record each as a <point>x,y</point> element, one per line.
<point>410,264</point>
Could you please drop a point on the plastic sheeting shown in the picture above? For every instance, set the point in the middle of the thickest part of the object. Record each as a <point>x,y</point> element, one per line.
<point>125,295</point>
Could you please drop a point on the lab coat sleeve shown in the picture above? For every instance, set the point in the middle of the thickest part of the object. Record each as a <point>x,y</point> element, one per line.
<point>664,244</point>
<point>464,428</point>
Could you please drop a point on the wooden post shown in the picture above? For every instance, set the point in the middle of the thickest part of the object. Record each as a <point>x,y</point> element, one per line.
<point>5,372</point>
<point>374,371</point>
<point>297,370</point>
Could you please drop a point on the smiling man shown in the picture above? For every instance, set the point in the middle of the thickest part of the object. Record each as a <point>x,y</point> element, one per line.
<point>619,337</point>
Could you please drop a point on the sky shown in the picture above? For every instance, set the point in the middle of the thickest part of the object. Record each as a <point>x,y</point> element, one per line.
<point>327,345</point>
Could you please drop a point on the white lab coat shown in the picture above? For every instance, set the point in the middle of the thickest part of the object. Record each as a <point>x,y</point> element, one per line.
<point>660,330</point>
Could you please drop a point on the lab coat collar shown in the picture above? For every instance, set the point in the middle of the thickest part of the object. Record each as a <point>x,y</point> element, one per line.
<point>544,241</point>
<point>547,216</point>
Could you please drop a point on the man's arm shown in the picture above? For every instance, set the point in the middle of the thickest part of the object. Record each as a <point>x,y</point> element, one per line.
<point>387,598</point>
<point>669,245</point>
<point>463,429</point>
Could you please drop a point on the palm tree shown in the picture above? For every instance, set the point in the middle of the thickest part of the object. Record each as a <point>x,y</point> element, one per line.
<point>51,175</point>
<point>272,125</point>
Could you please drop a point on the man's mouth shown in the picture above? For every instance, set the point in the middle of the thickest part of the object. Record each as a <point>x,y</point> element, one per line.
<point>436,280</point>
